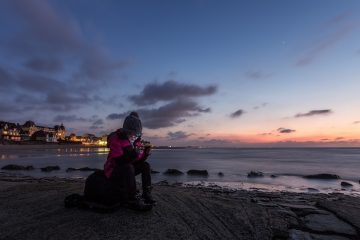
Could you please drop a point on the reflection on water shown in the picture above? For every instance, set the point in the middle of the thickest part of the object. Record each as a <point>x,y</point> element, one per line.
<point>290,164</point>
<point>10,156</point>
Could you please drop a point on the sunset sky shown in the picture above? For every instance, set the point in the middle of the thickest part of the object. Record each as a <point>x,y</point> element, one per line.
<point>208,73</point>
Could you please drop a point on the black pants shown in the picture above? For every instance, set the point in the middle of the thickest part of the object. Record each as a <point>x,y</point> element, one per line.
<point>124,176</point>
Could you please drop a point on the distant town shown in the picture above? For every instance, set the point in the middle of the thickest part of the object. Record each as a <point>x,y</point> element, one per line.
<point>30,133</point>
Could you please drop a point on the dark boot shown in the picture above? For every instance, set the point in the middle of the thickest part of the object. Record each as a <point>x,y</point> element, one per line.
<point>148,199</point>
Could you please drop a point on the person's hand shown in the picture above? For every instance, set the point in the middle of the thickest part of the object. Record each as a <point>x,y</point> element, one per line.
<point>137,143</point>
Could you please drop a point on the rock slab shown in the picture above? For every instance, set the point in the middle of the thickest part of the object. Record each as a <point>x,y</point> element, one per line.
<point>328,223</point>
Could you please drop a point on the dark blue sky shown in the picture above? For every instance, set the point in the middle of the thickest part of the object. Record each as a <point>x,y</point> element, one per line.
<point>199,72</point>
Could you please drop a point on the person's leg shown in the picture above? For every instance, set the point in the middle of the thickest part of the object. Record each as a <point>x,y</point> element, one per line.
<point>145,170</point>
<point>124,176</point>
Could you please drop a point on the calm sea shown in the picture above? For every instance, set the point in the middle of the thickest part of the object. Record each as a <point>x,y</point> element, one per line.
<point>289,164</point>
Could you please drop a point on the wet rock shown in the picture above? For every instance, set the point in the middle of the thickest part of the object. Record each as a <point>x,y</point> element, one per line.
<point>346,184</point>
<point>154,172</point>
<point>328,223</point>
<point>273,176</point>
<point>322,176</point>
<point>295,234</point>
<point>346,207</point>
<point>173,172</point>
<point>327,237</point>
<point>50,168</point>
<point>84,169</point>
<point>280,222</point>
<point>220,174</point>
<point>303,209</point>
<point>198,172</point>
<point>255,174</point>
<point>17,167</point>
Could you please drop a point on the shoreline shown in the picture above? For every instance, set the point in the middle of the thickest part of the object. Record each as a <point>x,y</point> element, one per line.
<point>282,183</point>
<point>32,208</point>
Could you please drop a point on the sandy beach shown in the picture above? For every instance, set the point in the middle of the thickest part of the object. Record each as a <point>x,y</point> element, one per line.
<point>32,208</point>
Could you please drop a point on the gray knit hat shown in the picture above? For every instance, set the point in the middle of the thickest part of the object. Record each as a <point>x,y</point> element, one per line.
<point>132,124</point>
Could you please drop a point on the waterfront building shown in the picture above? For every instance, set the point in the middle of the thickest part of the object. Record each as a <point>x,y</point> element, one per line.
<point>10,131</point>
<point>25,132</point>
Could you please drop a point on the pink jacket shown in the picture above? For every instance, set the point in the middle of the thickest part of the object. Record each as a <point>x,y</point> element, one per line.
<point>121,152</point>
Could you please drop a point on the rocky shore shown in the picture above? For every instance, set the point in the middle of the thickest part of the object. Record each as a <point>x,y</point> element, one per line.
<point>33,209</point>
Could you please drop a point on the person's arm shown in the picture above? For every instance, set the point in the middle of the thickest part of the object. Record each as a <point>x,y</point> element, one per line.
<point>128,155</point>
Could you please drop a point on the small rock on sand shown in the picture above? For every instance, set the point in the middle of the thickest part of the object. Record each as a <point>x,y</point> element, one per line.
<point>346,184</point>
<point>313,190</point>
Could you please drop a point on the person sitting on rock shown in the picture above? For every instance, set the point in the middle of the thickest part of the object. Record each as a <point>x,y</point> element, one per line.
<point>126,159</point>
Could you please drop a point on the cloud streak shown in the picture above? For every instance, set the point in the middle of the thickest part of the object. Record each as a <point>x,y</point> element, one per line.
<point>285,130</point>
<point>179,135</point>
<point>257,75</point>
<point>168,115</point>
<point>314,113</point>
<point>329,41</point>
<point>170,90</point>
<point>237,113</point>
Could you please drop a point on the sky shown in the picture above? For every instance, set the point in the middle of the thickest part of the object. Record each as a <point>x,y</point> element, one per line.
<point>206,73</point>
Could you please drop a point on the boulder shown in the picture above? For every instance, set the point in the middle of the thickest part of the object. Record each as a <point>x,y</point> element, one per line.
<point>17,167</point>
<point>346,184</point>
<point>255,174</point>
<point>220,174</point>
<point>50,168</point>
<point>322,176</point>
<point>173,172</point>
<point>198,172</point>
